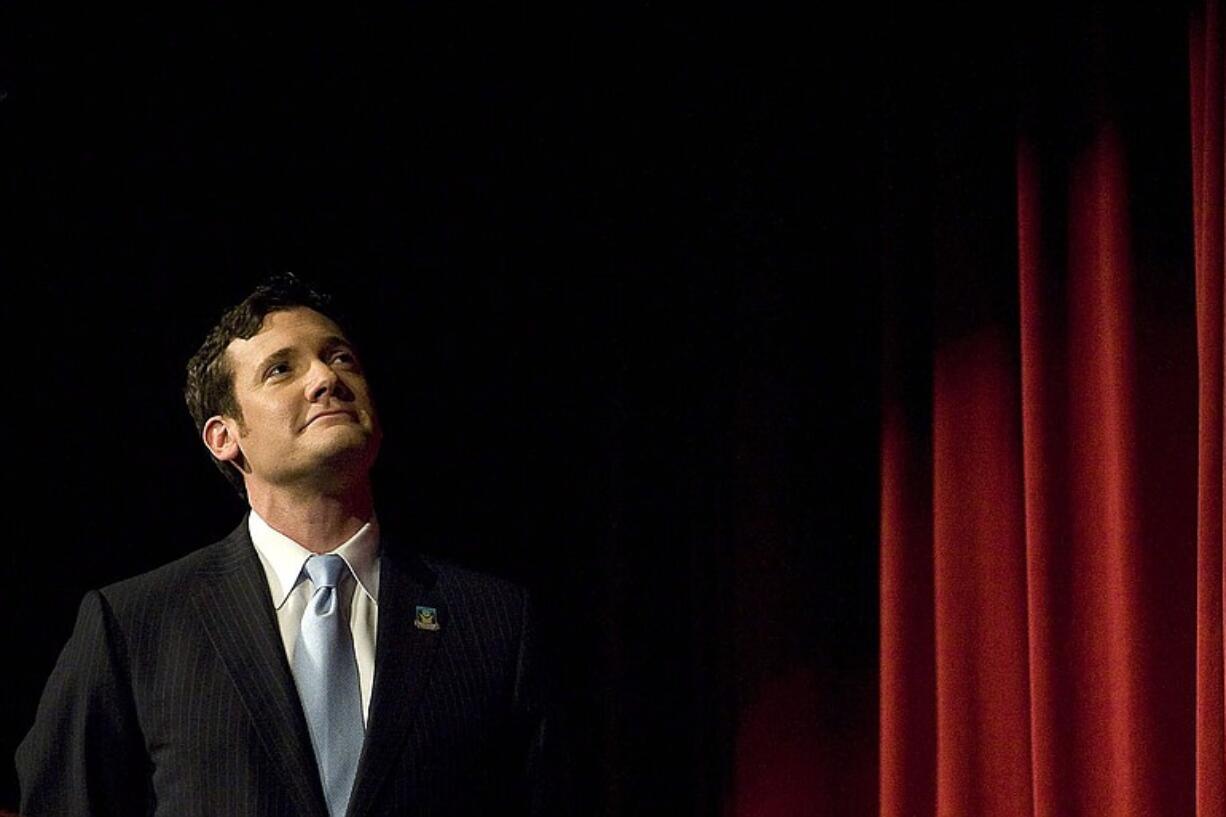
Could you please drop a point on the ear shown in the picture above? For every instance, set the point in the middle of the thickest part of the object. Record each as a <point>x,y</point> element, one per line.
<point>220,437</point>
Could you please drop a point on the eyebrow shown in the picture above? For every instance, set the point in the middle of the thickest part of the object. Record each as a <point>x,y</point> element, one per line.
<point>332,341</point>
<point>281,354</point>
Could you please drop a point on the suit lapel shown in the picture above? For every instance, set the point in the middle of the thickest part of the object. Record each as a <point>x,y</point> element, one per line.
<point>403,654</point>
<point>231,595</point>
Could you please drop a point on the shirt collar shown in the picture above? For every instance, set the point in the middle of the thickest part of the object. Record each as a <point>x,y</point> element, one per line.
<point>284,557</point>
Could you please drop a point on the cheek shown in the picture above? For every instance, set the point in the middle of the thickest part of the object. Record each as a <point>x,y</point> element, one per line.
<point>265,421</point>
<point>361,394</point>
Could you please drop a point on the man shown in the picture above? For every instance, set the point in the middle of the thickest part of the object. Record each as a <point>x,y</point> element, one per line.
<point>302,665</point>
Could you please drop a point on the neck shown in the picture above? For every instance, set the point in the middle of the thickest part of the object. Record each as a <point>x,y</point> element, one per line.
<point>319,521</point>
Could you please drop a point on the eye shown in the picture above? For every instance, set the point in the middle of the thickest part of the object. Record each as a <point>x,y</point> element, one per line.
<point>343,356</point>
<point>276,369</point>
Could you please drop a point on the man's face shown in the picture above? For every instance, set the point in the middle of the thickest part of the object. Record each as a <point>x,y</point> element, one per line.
<point>307,415</point>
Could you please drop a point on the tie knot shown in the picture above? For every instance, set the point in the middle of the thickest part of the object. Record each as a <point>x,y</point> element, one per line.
<point>325,570</point>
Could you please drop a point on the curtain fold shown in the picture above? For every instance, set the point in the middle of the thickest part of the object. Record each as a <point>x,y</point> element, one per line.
<point>1205,58</point>
<point>1051,585</point>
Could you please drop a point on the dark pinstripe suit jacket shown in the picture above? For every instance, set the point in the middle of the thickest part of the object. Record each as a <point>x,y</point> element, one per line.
<point>173,697</point>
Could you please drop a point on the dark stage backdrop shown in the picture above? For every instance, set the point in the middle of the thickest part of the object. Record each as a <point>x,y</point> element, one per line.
<point>616,276</point>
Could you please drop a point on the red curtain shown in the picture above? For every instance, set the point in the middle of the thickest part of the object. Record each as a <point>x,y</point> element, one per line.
<point>1052,487</point>
<point>1205,58</point>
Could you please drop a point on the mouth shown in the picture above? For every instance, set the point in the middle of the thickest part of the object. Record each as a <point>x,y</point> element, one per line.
<point>351,415</point>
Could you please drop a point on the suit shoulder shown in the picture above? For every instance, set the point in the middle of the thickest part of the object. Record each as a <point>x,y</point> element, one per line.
<point>489,603</point>
<point>170,580</point>
<point>453,579</point>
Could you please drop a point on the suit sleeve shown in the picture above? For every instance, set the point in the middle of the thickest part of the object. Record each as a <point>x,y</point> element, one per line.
<point>85,756</point>
<point>536,701</point>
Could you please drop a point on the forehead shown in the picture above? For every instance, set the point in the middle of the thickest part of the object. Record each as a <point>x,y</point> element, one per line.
<point>298,327</point>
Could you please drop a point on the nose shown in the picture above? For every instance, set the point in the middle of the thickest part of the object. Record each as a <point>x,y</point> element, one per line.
<point>323,382</point>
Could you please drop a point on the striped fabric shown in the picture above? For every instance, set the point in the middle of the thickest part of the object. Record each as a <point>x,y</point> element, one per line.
<point>174,697</point>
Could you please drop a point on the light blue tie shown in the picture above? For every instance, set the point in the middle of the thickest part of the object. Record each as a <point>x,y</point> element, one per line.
<point>326,672</point>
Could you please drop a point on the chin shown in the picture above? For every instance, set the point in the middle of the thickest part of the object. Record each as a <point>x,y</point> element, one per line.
<point>346,454</point>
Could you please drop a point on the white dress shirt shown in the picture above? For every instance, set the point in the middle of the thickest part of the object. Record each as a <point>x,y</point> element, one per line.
<point>291,589</point>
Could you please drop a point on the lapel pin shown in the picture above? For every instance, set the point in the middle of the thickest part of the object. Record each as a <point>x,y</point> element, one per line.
<point>426,619</point>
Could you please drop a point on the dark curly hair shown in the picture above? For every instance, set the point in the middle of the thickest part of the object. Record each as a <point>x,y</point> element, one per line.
<point>209,388</point>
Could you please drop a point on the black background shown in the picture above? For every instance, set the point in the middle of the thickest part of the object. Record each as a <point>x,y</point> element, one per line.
<point>615,272</point>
